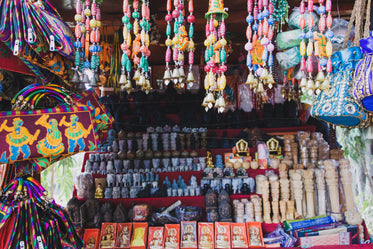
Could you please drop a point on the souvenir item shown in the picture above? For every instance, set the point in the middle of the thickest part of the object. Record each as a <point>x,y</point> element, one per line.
<point>51,132</point>
<point>139,235</point>
<point>155,238</point>
<point>215,56</point>
<point>188,234</point>
<point>325,240</point>
<point>222,235</point>
<point>254,234</point>
<point>238,235</point>
<point>91,238</point>
<point>126,66</point>
<point>172,236</point>
<point>123,239</point>
<point>35,33</point>
<point>108,233</point>
<point>341,110</point>
<point>206,235</point>
<point>140,212</point>
<point>50,226</point>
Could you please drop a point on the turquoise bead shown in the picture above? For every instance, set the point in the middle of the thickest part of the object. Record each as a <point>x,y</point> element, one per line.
<point>223,55</point>
<point>129,26</point>
<point>128,66</point>
<point>176,28</point>
<point>146,66</point>
<point>125,19</point>
<point>211,51</point>
<point>136,15</point>
<point>207,57</point>
<point>124,59</point>
<point>168,30</point>
<point>191,31</point>
<point>142,62</point>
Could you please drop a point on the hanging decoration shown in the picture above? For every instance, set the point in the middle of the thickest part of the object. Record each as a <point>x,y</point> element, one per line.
<point>215,56</point>
<point>30,219</point>
<point>181,43</point>
<point>319,44</point>
<point>126,66</point>
<point>260,33</point>
<point>87,48</point>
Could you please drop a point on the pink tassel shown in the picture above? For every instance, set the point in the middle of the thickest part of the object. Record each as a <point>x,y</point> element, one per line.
<point>270,8</point>
<point>249,32</point>
<point>98,14</point>
<point>83,16</point>
<point>212,28</point>
<point>322,23</point>
<point>78,31</point>
<point>260,30</point>
<point>125,6</point>
<point>222,28</point>
<point>270,34</point>
<point>78,7</point>
<point>255,38</point>
<point>249,6</point>
<point>265,3</point>
<point>310,6</point>
<point>303,64</point>
<point>310,21</point>
<point>93,9</point>
<point>260,4</point>
<point>309,65</point>
<point>302,22</point>
<point>255,13</point>
<point>328,5</point>
<point>191,58</point>
<point>175,54</point>
<point>302,7</point>
<point>265,27</point>
<point>329,65</point>
<point>207,30</point>
<point>329,21</point>
<point>168,55</point>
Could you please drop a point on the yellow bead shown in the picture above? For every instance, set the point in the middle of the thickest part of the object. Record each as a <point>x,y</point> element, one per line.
<point>302,48</point>
<point>87,12</point>
<point>317,49</point>
<point>168,42</point>
<point>136,27</point>
<point>216,23</point>
<point>98,24</point>
<point>329,48</point>
<point>129,40</point>
<point>92,23</point>
<point>147,40</point>
<point>223,42</point>
<point>180,57</point>
<point>309,48</point>
<point>175,41</point>
<point>83,29</point>
<point>78,18</point>
<point>206,43</point>
<point>191,45</point>
<point>206,82</point>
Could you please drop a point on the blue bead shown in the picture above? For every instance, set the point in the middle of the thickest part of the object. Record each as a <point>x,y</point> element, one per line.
<point>248,60</point>
<point>329,34</point>
<point>92,49</point>
<point>249,19</point>
<point>98,48</point>
<point>302,35</point>
<point>255,67</point>
<point>260,16</point>
<point>77,44</point>
<point>265,13</point>
<point>255,27</point>
<point>323,62</point>
<point>309,35</point>
<point>87,64</point>
<point>270,60</point>
<point>265,54</point>
<point>271,21</point>
<point>321,10</point>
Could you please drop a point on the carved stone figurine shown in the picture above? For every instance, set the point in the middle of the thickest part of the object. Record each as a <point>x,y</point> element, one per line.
<point>225,211</point>
<point>99,192</point>
<point>89,209</point>
<point>73,208</point>
<point>116,192</point>
<point>211,200</point>
<point>120,214</point>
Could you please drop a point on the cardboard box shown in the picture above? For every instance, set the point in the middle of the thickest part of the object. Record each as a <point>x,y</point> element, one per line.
<point>254,234</point>
<point>139,235</point>
<point>188,234</point>
<point>325,240</point>
<point>205,235</point>
<point>108,235</point>
<point>91,238</point>
<point>155,238</point>
<point>238,235</point>
<point>223,235</point>
<point>123,239</point>
<point>172,236</point>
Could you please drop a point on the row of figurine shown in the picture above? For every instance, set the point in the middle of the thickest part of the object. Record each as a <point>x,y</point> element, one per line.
<point>188,234</point>
<point>156,141</point>
<point>298,193</point>
<point>110,163</point>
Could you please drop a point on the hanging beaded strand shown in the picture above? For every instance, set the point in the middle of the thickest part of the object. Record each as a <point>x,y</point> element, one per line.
<point>168,18</point>
<point>95,48</point>
<point>302,48</point>
<point>191,46</point>
<point>87,64</point>
<point>136,43</point>
<point>77,44</point>
<point>144,81</point>
<point>125,80</point>
<point>249,46</point>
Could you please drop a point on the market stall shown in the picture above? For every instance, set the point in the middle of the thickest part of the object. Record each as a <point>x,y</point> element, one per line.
<point>203,124</point>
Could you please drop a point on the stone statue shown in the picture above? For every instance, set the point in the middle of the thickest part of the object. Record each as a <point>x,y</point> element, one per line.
<point>225,211</point>
<point>211,200</point>
<point>108,193</point>
<point>83,182</point>
<point>223,196</point>
<point>107,212</point>
<point>73,208</point>
<point>110,180</point>
<point>89,209</point>
<point>120,214</point>
<point>116,192</point>
<point>212,215</point>
<point>99,193</point>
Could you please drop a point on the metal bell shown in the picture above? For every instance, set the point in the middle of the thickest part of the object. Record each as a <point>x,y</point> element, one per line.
<point>122,79</point>
<point>175,74</point>
<point>260,88</point>
<point>85,79</point>
<point>93,82</point>
<point>166,76</point>
<point>310,84</point>
<point>303,82</point>
<point>190,77</point>
<point>137,74</point>
<point>250,79</point>
<point>320,76</point>
<point>264,74</point>
<point>142,81</point>
<point>75,79</point>
<point>325,85</point>
<point>181,72</point>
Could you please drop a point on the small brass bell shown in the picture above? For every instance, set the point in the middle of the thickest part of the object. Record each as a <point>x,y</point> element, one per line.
<point>250,79</point>
<point>320,76</point>
<point>142,81</point>
<point>270,79</point>
<point>325,85</point>
<point>137,74</point>
<point>260,88</point>
<point>122,79</point>
<point>310,84</point>
<point>85,79</point>
<point>181,72</point>
<point>175,74</point>
<point>75,79</point>
<point>93,82</point>
<point>190,78</point>
<point>317,87</point>
<point>264,74</point>
<point>205,104</point>
<point>303,82</point>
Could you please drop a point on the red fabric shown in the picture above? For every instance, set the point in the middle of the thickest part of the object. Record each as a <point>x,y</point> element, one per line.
<point>12,63</point>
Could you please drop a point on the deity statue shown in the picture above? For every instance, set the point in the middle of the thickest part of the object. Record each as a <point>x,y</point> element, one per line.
<point>222,240</point>
<point>107,240</point>
<point>89,210</point>
<point>209,162</point>
<point>225,211</point>
<point>237,238</point>
<point>205,238</point>
<point>73,208</point>
<point>124,237</point>
<point>254,235</point>
<point>99,193</point>
<point>189,239</point>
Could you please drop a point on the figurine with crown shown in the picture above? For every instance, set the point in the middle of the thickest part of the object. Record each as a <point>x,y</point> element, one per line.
<point>240,153</point>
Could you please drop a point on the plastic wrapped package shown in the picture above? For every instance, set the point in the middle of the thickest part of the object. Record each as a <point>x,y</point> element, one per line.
<point>288,39</point>
<point>83,183</point>
<point>339,28</point>
<point>279,235</point>
<point>294,19</point>
<point>245,98</point>
<point>289,58</point>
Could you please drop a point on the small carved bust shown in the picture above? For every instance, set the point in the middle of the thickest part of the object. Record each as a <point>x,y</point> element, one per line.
<point>224,196</point>
<point>225,211</point>
<point>120,214</point>
<point>212,215</point>
<point>211,200</point>
<point>73,208</point>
